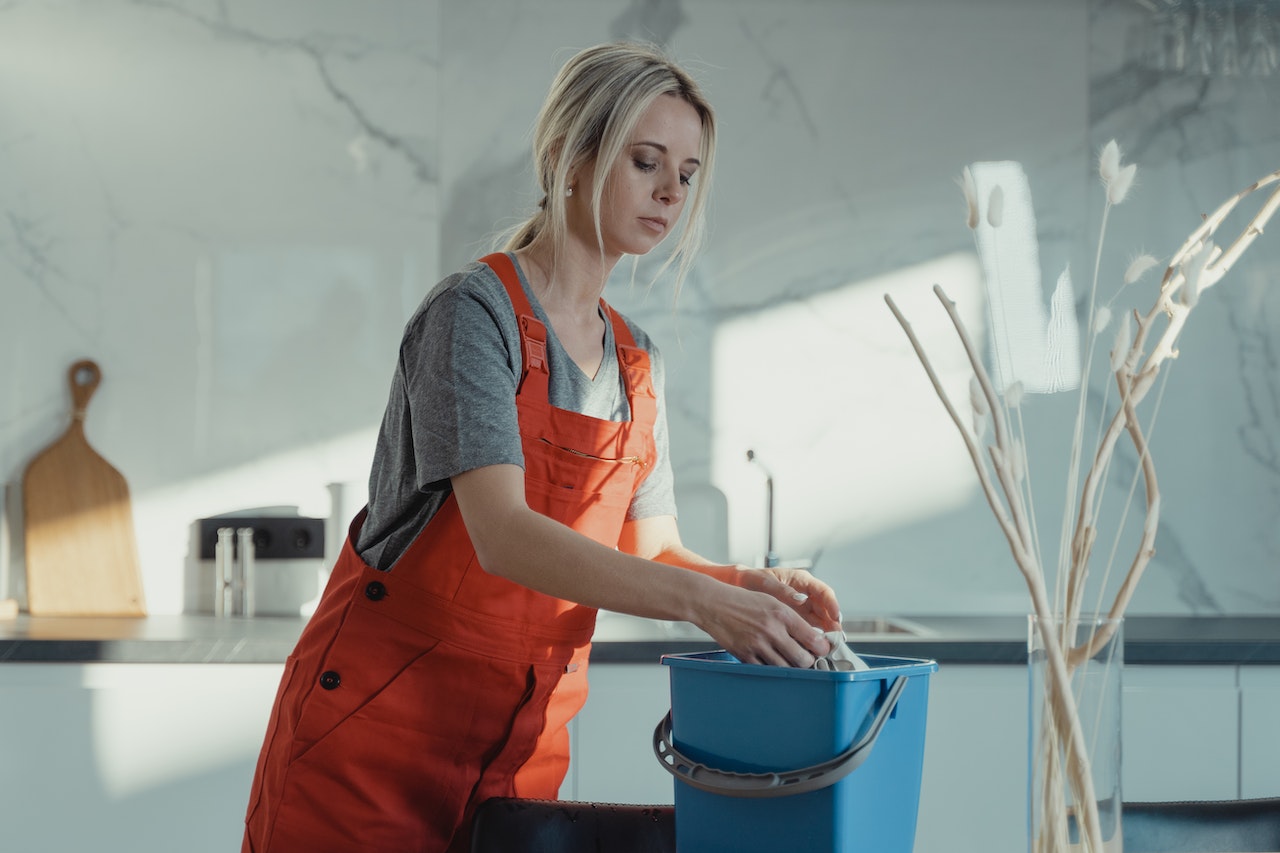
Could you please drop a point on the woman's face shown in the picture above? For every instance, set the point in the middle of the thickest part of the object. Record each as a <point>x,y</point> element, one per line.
<point>649,183</point>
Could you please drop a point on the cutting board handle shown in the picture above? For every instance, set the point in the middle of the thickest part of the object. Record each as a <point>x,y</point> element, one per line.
<point>84,377</point>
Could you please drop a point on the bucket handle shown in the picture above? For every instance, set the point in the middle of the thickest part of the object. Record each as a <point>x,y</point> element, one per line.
<point>775,784</point>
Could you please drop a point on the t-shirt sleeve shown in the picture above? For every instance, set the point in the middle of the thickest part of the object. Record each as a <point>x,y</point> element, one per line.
<point>451,409</point>
<point>460,386</point>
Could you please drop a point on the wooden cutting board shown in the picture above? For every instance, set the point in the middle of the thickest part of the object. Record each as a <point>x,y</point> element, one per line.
<point>81,554</point>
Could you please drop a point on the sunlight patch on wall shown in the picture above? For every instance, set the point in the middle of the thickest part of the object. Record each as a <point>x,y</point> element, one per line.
<point>296,480</point>
<point>1029,341</point>
<point>829,394</point>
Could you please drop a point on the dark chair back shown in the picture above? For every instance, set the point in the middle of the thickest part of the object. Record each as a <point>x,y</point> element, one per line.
<point>1202,826</point>
<point>559,826</point>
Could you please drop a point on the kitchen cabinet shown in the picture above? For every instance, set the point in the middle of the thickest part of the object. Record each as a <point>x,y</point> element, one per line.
<point>1181,733</point>
<point>613,758</point>
<point>129,757</point>
<point>1259,718</point>
<point>973,791</point>
<point>130,743</point>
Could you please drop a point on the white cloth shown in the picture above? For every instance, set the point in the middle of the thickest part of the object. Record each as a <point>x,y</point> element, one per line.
<point>841,658</point>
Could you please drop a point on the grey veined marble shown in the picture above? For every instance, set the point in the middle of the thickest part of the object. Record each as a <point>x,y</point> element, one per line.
<point>234,205</point>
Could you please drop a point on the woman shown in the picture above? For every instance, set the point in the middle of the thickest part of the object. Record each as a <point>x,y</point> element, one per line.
<point>520,482</point>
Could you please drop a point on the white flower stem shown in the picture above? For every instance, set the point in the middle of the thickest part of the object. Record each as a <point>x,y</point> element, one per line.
<point>1066,580</point>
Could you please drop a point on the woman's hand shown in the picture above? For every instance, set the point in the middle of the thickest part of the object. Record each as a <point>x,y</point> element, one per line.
<point>811,598</point>
<point>758,626</point>
<point>771,616</point>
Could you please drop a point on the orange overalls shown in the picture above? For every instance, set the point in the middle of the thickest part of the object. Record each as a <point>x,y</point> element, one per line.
<point>414,695</point>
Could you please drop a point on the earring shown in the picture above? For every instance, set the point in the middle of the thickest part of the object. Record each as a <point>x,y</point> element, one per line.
<point>568,192</point>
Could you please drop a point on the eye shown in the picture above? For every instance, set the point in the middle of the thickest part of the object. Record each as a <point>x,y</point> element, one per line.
<point>644,165</point>
<point>686,179</point>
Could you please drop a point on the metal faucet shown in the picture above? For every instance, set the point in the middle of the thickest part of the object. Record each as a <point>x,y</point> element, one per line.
<point>770,556</point>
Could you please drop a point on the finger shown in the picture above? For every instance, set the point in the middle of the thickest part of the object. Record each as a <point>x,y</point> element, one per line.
<point>824,605</point>
<point>816,590</point>
<point>761,646</point>
<point>813,644</point>
<point>790,644</point>
<point>819,644</point>
<point>784,591</point>
<point>802,657</point>
<point>765,656</point>
<point>820,612</point>
<point>799,644</point>
<point>827,613</point>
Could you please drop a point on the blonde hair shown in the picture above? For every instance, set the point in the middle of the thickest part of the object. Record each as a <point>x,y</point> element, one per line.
<point>588,117</point>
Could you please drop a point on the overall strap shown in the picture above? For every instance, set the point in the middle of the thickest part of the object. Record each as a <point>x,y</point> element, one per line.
<point>637,374</point>
<point>534,373</point>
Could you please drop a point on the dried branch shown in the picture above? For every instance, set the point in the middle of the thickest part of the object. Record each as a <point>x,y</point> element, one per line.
<point>1002,459</point>
<point>1132,389</point>
<point>984,479</point>
<point>1197,265</point>
<point>1065,715</point>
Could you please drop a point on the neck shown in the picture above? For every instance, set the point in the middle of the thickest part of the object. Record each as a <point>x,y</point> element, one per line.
<point>571,280</point>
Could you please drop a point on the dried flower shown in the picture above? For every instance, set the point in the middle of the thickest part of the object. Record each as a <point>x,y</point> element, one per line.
<point>977,399</point>
<point>1013,394</point>
<point>979,425</point>
<point>1018,461</point>
<point>1068,778</point>
<point>1109,162</point>
<point>1101,318</point>
<point>1193,268</point>
<point>1116,178</point>
<point>995,207</point>
<point>970,196</point>
<point>978,402</point>
<point>1138,267</point>
<point>1118,189</point>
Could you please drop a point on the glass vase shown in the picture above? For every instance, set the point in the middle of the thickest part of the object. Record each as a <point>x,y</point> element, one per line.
<point>1075,668</point>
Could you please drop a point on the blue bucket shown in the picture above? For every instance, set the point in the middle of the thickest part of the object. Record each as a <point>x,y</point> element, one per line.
<point>764,757</point>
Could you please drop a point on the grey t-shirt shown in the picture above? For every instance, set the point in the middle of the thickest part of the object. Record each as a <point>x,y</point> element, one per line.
<point>452,407</point>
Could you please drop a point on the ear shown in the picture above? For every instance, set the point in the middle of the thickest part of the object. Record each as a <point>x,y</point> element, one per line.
<point>578,171</point>
<point>553,165</point>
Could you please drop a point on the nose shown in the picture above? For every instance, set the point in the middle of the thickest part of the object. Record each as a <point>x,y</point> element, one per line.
<point>671,190</point>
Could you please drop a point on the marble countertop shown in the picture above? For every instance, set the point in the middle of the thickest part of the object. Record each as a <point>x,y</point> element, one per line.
<point>623,639</point>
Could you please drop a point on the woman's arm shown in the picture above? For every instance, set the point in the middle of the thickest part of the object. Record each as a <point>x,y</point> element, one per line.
<point>658,538</point>
<point>515,542</point>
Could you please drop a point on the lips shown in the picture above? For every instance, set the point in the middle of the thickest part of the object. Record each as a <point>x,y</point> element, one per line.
<point>657,223</point>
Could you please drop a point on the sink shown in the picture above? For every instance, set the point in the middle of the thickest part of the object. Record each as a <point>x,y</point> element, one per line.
<point>880,626</point>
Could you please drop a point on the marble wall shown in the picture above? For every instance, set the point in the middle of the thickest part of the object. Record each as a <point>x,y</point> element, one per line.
<point>1198,116</point>
<point>233,206</point>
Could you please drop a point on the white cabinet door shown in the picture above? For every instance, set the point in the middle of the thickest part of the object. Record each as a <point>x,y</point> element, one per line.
<point>613,752</point>
<point>129,757</point>
<point>1181,733</point>
<point>973,795</point>
<point>1260,731</point>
